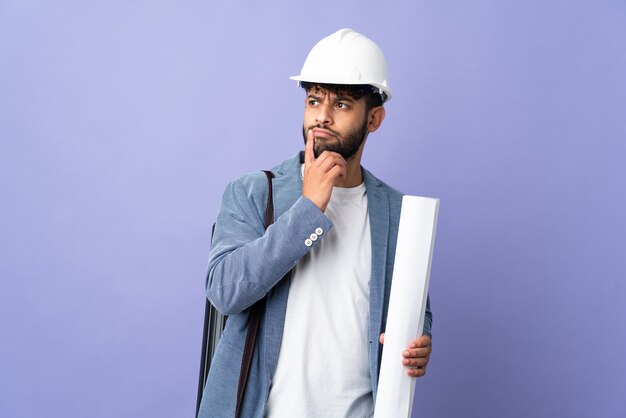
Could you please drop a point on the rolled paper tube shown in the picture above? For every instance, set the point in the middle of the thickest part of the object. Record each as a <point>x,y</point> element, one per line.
<point>407,304</point>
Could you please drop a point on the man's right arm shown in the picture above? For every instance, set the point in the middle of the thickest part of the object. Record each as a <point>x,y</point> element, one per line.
<point>245,261</point>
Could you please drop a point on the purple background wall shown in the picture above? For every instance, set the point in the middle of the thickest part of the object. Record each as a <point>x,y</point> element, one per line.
<point>121,122</point>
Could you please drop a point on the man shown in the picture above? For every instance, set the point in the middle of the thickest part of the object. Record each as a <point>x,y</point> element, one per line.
<point>318,349</point>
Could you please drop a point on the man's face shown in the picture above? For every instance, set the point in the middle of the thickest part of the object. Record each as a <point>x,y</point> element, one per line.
<point>338,121</point>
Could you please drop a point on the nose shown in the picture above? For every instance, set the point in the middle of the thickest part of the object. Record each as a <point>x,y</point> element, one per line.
<point>324,115</point>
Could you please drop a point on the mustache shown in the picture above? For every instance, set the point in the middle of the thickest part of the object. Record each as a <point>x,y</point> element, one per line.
<point>322,126</point>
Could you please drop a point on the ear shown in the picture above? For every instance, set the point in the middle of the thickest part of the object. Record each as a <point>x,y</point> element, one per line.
<point>375,118</point>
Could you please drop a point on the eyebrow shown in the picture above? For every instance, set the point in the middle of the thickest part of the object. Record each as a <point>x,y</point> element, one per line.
<point>344,99</point>
<point>337,99</point>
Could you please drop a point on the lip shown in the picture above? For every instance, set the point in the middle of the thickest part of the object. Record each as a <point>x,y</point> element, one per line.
<point>324,133</point>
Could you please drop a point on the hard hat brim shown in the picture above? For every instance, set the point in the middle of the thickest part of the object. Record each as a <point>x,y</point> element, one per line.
<point>334,80</point>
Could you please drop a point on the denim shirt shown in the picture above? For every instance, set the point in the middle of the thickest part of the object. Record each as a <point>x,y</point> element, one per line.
<point>247,263</point>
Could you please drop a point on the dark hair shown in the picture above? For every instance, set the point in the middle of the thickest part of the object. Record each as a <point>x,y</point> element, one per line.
<point>372,97</point>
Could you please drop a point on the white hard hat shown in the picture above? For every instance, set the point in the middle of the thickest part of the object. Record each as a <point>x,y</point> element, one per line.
<point>346,57</point>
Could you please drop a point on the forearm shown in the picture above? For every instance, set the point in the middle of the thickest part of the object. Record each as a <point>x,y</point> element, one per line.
<point>246,262</point>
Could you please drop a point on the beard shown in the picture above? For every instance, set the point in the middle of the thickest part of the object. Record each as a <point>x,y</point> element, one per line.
<point>345,145</point>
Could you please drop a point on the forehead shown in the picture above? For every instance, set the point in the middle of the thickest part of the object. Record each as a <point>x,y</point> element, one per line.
<point>322,92</point>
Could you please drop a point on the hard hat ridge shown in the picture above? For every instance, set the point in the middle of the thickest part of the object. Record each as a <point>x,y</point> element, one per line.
<point>346,57</point>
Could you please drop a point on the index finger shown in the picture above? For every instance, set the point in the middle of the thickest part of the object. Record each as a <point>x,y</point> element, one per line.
<point>309,155</point>
<point>423,341</point>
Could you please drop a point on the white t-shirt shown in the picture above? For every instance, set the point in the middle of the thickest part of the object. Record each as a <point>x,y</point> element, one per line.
<point>323,367</point>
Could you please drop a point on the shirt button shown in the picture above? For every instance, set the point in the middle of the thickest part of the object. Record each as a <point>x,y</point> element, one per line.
<point>308,242</point>
<point>319,231</point>
<point>313,237</point>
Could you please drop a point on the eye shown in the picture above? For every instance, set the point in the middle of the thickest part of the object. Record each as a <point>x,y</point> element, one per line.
<point>313,102</point>
<point>341,105</point>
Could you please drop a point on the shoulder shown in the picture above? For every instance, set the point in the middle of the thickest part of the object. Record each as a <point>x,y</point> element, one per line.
<point>252,188</point>
<point>248,183</point>
<point>257,180</point>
